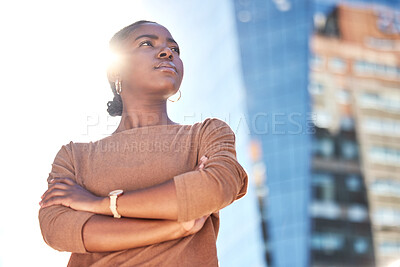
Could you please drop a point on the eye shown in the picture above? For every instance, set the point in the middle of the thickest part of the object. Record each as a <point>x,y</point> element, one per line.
<point>146,43</point>
<point>176,49</point>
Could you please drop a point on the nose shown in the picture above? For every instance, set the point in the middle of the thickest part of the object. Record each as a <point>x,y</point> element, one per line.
<point>166,53</point>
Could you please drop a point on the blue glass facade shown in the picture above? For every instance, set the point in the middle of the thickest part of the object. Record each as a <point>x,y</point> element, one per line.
<point>273,38</point>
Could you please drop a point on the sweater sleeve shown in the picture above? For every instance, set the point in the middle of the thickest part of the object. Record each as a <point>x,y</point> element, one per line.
<point>62,226</point>
<point>222,179</point>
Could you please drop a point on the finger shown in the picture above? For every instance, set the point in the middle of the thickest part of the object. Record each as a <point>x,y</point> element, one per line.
<point>56,186</point>
<point>189,225</point>
<point>52,193</point>
<point>203,159</point>
<point>45,193</point>
<point>67,181</point>
<point>199,224</point>
<point>59,186</point>
<point>205,217</point>
<point>63,180</point>
<point>57,200</point>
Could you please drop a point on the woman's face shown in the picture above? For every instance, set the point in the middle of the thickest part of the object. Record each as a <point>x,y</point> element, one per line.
<point>151,62</point>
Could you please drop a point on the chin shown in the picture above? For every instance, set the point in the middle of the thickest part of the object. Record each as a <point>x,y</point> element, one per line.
<point>168,86</point>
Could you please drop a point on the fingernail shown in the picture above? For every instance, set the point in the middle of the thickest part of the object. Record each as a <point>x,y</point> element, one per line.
<point>203,158</point>
<point>51,180</point>
<point>201,166</point>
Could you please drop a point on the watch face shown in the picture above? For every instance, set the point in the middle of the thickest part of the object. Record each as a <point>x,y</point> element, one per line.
<point>116,192</point>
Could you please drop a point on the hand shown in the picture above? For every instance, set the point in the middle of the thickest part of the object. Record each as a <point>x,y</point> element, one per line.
<point>193,226</point>
<point>66,192</point>
<point>201,165</point>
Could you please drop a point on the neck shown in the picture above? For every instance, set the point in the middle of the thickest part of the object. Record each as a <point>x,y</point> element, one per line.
<point>140,114</point>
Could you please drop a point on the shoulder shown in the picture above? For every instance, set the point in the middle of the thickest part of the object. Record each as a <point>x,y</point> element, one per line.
<point>215,127</point>
<point>214,122</point>
<point>73,149</point>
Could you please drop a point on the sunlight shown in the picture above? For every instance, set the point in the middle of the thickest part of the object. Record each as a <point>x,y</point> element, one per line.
<point>112,58</point>
<point>396,263</point>
<point>54,59</point>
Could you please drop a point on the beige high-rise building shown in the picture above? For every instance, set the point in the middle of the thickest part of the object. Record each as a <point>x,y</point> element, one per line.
<point>355,82</point>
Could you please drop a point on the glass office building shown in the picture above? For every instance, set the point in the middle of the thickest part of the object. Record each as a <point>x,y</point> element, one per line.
<point>355,81</point>
<point>323,179</point>
<point>273,38</point>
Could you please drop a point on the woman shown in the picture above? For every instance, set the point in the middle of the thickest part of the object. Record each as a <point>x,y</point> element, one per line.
<point>175,178</point>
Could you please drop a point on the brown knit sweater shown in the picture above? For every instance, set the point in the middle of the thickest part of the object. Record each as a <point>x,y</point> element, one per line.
<point>143,157</point>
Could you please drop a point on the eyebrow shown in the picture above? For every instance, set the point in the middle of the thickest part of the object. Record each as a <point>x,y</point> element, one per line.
<point>155,37</point>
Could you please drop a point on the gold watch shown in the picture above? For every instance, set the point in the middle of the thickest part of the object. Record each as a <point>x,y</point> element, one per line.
<point>113,201</point>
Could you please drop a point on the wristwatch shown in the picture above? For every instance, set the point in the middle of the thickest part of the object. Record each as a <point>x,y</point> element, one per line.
<point>113,201</point>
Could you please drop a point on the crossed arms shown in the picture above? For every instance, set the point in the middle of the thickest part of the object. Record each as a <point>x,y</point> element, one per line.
<point>150,215</point>
<point>173,209</point>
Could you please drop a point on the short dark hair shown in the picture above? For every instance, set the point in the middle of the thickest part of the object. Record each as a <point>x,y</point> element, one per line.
<point>114,107</point>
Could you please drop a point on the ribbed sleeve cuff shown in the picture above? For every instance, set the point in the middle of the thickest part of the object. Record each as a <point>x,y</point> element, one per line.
<point>77,231</point>
<point>181,192</point>
<point>62,228</point>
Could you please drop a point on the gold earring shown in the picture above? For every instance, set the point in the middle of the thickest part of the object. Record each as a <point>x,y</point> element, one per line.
<point>178,97</point>
<point>118,86</point>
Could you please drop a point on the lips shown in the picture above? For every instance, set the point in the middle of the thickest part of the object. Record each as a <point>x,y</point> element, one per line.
<point>166,66</point>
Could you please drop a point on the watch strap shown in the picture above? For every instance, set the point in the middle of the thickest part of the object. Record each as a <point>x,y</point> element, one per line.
<point>113,206</point>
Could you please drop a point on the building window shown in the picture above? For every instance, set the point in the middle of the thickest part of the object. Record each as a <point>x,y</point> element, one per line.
<point>381,126</point>
<point>389,247</point>
<point>385,187</point>
<point>326,209</point>
<point>384,155</point>
<point>392,71</point>
<point>324,186</point>
<point>357,213</point>
<point>317,62</point>
<point>387,217</point>
<point>389,103</point>
<point>315,88</point>
<point>337,65</point>
<point>343,96</point>
<point>322,119</point>
<point>361,245</point>
<point>353,183</point>
<point>379,69</point>
<point>362,68</point>
<point>323,204</point>
<point>366,68</point>
<point>348,149</point>
<point>346,123</point>
<point>369,100</point>
<point>328,242</point>
<point>323,147</point>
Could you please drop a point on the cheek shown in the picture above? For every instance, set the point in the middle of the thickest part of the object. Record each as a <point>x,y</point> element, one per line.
<point>135,73</point>
<point>183,71</point>
<point>180,67</point>
<point>136,66</point>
